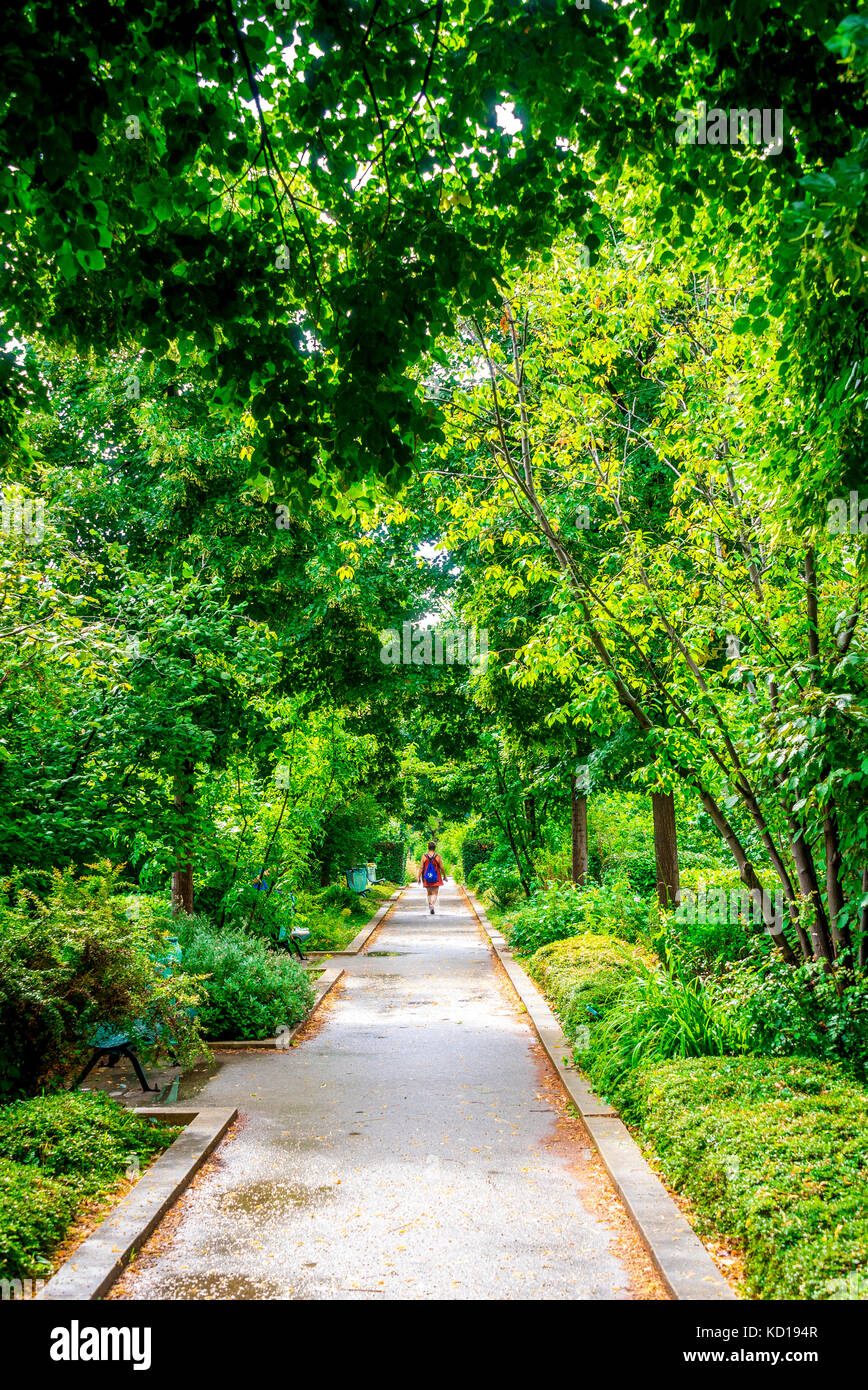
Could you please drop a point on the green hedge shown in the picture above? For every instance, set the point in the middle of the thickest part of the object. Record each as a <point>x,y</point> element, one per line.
<point>250,991</point>
<point>83,1135</point>
<point>583,975</point>
<point>772,1151</point>
<point>473,853</point>
<point>561,910</point>
<point>391,860</point>
<point>57,1153</point>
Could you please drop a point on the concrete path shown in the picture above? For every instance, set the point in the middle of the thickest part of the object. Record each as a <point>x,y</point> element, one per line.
<point>414,1144</point>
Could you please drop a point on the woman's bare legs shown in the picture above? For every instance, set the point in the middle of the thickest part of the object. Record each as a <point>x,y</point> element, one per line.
<point>432,896</point>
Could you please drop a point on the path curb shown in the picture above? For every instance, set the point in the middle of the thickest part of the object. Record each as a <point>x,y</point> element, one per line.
<point>683,1262</point>
<point>100,1259</point>
<point>326,982</point>
<point>362,937</point>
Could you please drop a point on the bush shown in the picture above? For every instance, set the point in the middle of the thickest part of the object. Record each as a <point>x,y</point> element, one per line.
<point>561,910</point>
<point>58,1152</point>
<point>391,860</point>
<point>658,1015</point>
<point>704,946</point>
<point>342,898</point>
<point>256,911</point>
<point>621,840</point>
<point>83,1134</point>
<point>35,1214</point>
<point>75,961</point>
<point>583,975</point>
<point>789,1010</point>
<point>473,853</point>
<point>497,879</point>
<point>250,991</point>
<point>771,1151</point>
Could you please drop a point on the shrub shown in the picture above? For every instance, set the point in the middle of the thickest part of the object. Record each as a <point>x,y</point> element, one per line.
<point>344,899</point>
<point>75,961</point>
<point>659,1015</point>
<point>497,878</point>
<point>474,853</point>
<point>391,860</point>
<point>773,1151</point>
<point>250,991</point>
<point>701,946</point>
<point>789,1010</point>
<point>83,1134</point>
<point>561,910</point>
<point>262,913</point>
<point>621,840</point>
<point>583,975</point>
<point>35,1213</point>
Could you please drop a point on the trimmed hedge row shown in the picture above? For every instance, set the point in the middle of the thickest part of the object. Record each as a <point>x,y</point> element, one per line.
<point>771,1151</point>
<point>583,975</point>
<point>391,860</point>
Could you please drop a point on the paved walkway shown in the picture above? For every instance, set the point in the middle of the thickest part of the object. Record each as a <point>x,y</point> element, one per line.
<point>414,1145</point>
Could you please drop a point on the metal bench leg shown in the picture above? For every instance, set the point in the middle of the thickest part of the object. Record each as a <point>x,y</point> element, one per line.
<point>143,1080</point>
<point>299,952</point>
<point>88,1069</point>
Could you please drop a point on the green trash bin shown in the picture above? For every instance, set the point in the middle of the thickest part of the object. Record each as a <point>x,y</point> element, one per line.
<point>372,872</point>
<point>357,878</point>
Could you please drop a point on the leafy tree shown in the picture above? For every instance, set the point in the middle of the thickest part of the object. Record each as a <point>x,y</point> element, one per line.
<point>733,641</point>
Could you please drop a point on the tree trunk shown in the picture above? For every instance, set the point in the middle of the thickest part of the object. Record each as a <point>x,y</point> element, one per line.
<point>579,823</point>
<point>182,877</point>
<point>863,925</point>
<point>530,814</point>
<point>834,893</point>
<point>666,849</point>
<point>818,922</point>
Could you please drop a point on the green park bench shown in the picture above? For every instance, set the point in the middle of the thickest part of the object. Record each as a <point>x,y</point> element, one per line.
<point>361,876</point>
<point>109,1042</point>
<point>290,938</point>
<point>293,938</point>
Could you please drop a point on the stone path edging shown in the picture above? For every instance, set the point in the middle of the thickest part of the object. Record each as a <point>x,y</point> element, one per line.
<point>362,937</point>
<point>102,1256</point>
<point>326,982</point>
<point>685,1265</point>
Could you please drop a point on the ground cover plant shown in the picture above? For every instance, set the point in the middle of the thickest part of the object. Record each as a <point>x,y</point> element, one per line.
<point>771,1151</point>
<point>61,1155</point>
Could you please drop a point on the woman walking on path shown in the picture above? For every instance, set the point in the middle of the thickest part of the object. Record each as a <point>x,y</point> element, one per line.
<point>431,873</point>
